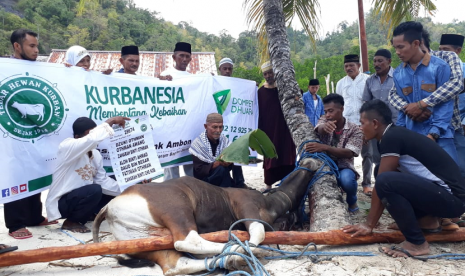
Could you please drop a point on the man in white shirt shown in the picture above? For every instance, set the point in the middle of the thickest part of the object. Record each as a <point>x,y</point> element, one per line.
<point>80,185</point>
<point>351,89</point>
<point>182,57</point>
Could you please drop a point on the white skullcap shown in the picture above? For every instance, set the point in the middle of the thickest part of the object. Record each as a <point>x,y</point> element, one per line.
<point>75,54</point>
<point>266,66</point>
<point>225,60</point>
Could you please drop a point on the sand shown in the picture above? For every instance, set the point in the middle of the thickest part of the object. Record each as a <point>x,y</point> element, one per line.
<point>379,265</point>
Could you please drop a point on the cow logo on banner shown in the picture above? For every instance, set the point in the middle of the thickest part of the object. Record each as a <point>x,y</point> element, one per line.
<point>30,108</point>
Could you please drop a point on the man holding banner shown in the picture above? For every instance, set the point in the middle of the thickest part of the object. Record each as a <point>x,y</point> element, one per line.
<point>26,211</point>
<point>80,185</point>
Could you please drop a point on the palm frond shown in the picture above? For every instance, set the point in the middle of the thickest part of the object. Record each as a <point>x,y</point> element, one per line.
<point>306,11</point>
<point>394,11</point>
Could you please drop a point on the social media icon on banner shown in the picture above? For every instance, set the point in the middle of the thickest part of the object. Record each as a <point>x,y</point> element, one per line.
<point>14,190</point>
<point>5,192</point>
<point>22,188</point>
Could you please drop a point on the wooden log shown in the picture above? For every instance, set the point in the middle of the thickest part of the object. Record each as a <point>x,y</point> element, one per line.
<point>333,237</point>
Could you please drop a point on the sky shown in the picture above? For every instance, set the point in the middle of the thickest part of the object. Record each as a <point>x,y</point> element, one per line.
<point>213,16</point>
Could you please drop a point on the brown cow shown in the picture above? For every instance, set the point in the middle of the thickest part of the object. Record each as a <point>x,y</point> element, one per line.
<point>188,206</point>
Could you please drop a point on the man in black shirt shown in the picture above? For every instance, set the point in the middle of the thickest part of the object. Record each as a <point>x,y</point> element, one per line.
<point>417,182</point>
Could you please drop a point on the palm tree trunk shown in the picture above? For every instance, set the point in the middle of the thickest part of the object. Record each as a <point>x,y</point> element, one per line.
<point>327,210</point>
<point>363,37</point>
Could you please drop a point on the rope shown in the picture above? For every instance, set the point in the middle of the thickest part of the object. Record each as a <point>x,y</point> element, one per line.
<point>81,241</point>
<point>327,161</point>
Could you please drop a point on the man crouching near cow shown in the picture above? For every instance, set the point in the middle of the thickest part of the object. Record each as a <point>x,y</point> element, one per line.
<point>418,182</point>
<point>80,186</point>
<point>206,148</point>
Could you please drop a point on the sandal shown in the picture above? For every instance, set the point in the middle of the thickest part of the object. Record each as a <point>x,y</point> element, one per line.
<point>21,234</point>
<point>7,248</point>
<point>46,222</point>
<point>448,225</point>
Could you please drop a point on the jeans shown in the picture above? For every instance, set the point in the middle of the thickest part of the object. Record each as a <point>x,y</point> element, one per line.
<point>367,164</point>
<point>459,140</point>
<point>409,197</point>
<point>448,145</point>
<point>348,182</point>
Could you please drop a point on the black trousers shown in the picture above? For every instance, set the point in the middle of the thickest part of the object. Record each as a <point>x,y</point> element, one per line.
<point>408,197</point>
<point>23,212</point>
<point>80,204</point>
<point>221,177</point>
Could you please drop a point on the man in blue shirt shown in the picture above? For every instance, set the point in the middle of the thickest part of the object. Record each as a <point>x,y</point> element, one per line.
<point>313,104</point>
<point>418,76</point>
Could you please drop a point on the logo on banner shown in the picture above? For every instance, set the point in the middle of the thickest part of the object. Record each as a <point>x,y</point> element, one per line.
<point>22,188</point>
<point>14,190</point>
<point>222,99</point>
<point>5,192</point>
<point>30,108</point>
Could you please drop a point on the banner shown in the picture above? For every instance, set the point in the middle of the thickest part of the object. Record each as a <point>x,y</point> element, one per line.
<point>132,153</point>
<point>40,101</point>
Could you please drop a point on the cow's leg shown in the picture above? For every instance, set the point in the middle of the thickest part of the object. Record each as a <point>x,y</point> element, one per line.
<point>172,262</point>
<point>195,244</point>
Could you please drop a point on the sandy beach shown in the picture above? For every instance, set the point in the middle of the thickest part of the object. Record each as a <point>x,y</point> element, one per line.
<point>379,265</point>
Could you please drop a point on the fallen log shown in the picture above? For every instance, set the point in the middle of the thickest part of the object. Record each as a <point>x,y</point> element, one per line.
<point>333,237</point>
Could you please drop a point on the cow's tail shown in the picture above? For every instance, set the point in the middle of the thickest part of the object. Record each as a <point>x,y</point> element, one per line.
<point>97,221</point>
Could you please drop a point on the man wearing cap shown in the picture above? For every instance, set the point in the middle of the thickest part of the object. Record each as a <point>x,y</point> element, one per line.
<point>271,121</point>
<point>206,148</point>
<point>129,59</point>
<point>313,104</point>
<point>27,211</point>
<point>351,89</point>
<point>226,67</point>
<point>80,186</point>
<point>181,57</point>
<point>378,87</point>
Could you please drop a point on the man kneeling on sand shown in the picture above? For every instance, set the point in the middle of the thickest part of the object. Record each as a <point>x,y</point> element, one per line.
<point>80,186</point>
<point>418,182</point>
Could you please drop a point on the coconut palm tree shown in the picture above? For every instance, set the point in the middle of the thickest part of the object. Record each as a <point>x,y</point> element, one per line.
<point>308,12</point>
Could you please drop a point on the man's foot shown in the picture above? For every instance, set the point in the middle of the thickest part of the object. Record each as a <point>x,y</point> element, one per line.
<point>46,222</point>
<point>75,227</point>
<point>265,190</point>
<point>406,249</point>
<point>367,191</point>
<point>21,234</point>
<point>460,222</point>
<point>448,225</point>
<point>6,248</point>
<point>353,209</point>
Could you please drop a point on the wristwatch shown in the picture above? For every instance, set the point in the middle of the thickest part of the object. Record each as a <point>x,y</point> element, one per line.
<point>435,136</point>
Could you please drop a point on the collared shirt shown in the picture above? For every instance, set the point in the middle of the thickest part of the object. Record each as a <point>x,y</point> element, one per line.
<point>462,99</point>
<point>351,138</point>
<point>415,85</point>
<point>450,89</point>
<point>120,70</point>
<point>314,112</point>
<point>374,89</point>
<point>352,91</point>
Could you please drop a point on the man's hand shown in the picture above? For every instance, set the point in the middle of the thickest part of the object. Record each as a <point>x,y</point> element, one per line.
<point>218,163</point>
<point>145,181</point>
<point>423,116</point>
<point>329,126</point>
<point>167,77</point>
<point>431,137</point>
<point>119,120</point>
<point>107,71</point>
<point>315,147</point>
<point>414,111</point>
<point>358,230</point>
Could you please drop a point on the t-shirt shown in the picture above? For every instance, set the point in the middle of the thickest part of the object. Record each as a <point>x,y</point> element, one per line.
<point>175,73</point>
<point>433,163</point>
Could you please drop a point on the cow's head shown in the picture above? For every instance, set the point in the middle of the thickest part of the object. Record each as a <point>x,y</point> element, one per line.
<point>15,104</point>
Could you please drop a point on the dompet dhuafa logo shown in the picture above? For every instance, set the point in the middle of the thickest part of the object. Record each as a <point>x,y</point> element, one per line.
<point>222,99</point>
<point>30,108</point>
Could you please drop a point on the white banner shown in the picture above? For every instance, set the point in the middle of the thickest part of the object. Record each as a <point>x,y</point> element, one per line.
<point>40,101</point>
<point>132,153</point>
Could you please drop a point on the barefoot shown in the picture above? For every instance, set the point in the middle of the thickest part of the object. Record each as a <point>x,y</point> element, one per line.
<point>407,249</point>
<point>367,191</point>
<point>75,227</point>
